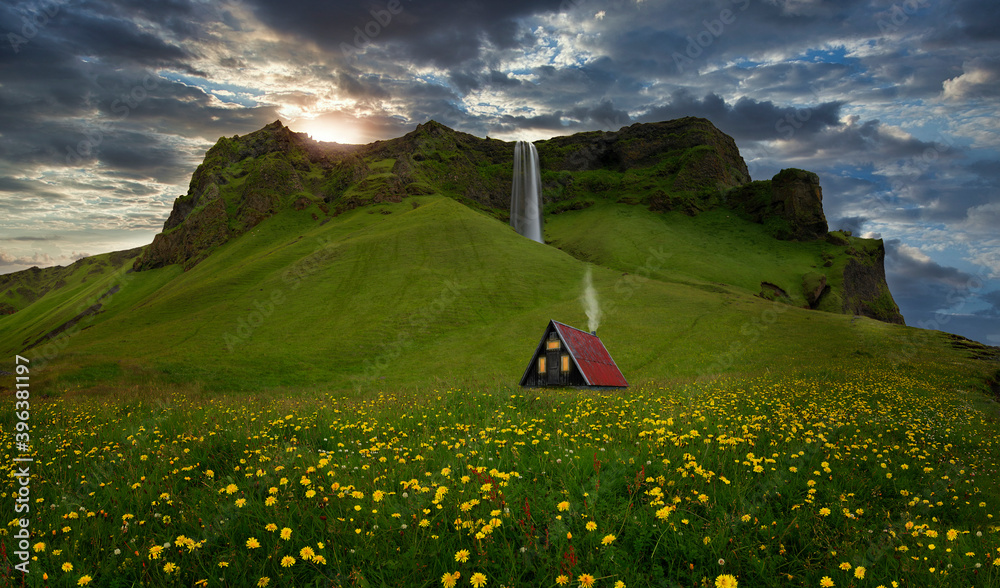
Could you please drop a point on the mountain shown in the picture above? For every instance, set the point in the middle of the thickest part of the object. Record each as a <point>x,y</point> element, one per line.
<point>291,262</point>
<point>686,165</point>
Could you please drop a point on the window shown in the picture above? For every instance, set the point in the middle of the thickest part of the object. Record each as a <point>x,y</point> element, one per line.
<point>541,364</point>
<point>565,363</point>
<point>553,344</point>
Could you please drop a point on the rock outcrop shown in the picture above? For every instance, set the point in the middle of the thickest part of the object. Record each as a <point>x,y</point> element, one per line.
<point>790,205</point>
<point>865,290</point>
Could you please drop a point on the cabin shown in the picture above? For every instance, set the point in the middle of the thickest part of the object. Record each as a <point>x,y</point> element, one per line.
<point>570,357</point>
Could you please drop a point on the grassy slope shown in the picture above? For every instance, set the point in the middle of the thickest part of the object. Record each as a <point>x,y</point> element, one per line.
<point>363,300</point>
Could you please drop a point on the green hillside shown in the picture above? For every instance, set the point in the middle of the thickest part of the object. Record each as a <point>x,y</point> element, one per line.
<point>428,290</point>
<point>291,264</point>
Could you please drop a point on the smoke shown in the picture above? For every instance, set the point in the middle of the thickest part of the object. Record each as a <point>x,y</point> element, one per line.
<point>589,300</point>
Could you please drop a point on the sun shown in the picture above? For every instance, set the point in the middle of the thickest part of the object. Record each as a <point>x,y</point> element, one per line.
<point>321,130</point>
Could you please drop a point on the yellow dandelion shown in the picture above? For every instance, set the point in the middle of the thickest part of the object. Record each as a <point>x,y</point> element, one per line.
<point>462,556</point>
<point>591,526</point>
<point>83,581</point>
<point>286,533</point>
<point>67,567</point>
<point>263,582</point>
<point>287,561</point>
<point>271,527</point>
<point>608,539</point>
<point>725,581</point>
<point>826,582</point>
<point>169,567</point>
<point>477,580</point>
<point>586,580</point>
<point>562,580</point>
<point>252,543</point>
<point>859,572</point>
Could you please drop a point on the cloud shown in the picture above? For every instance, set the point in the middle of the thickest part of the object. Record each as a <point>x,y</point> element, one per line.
<point>39,259</point>
<point>748,119</point>
<point>980,79</point>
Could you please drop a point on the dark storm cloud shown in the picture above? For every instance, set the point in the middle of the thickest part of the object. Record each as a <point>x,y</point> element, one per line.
<point>748,119</point>
<point>432,32</point>
<point>29,238</point>
<point>938,297</point>
<point>912,271</point>
<point>849,223</point>
<point>993,299</point>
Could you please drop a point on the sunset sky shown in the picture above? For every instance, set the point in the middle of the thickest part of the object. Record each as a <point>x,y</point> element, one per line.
<point>108,106</point>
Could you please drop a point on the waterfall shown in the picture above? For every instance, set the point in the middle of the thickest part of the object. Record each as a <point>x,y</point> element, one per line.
<point>526,193</point>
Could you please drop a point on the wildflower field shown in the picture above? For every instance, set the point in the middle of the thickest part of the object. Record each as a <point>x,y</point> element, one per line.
<point>868,478</point>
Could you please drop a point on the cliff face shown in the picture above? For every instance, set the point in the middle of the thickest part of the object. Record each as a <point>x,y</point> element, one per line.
<point>242,181</point>
<point>866,292</point>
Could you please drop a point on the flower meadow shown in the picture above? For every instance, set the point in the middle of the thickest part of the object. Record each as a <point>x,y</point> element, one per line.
<point>871,478</point>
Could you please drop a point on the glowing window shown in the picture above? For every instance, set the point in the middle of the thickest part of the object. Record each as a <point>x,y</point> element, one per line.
<point>565,363</point>
<point>554,344</point>
<point>541,364</point>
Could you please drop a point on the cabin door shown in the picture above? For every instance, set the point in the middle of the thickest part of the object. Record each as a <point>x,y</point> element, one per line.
<point>552,366</point>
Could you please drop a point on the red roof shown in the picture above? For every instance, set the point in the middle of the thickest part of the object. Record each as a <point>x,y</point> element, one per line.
<point>591,357</point>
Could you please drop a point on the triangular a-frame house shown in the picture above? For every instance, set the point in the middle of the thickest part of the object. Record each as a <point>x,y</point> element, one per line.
<point>570,357</point>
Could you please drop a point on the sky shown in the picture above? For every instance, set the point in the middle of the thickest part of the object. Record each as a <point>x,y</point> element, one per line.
<point>108,106</point>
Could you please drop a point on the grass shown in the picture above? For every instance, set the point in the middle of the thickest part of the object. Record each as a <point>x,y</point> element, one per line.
<point>775,481</point>
<point>332,378</point>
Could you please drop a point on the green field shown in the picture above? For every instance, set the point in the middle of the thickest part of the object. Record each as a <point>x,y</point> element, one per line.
<point>329,398</point>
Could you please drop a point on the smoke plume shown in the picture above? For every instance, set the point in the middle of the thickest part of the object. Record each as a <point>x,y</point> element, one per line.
<point>589,300</point>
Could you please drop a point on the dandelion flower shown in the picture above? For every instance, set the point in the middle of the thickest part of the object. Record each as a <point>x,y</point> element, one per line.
<point>619,584</point>
<point>563,506</point>
<point>263,582</point>
<point>586,580</point>
<point>859,572</point>
<point>287,561</point>
<point>67,567</point>
<point>271,527</point>
<point>826,582</point>
<point>170,567</point>
<point>252,543</point>
<point>307,553</point>
<point>477,580</point>
<point>725,581</point>
<point>591,526</point>
<point>462,556</point>
<point>608,539</point>
<point>448,580</point>
<point>562,580</point>
<point>83,581</point>
<point>286,533</point>
<point>845,566</point>
<point>952,534</point>
<point>155,551</point>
